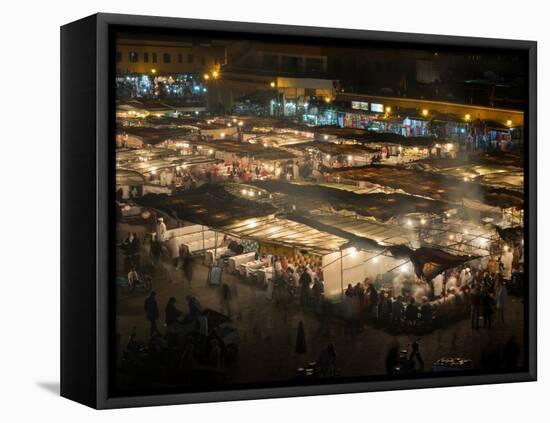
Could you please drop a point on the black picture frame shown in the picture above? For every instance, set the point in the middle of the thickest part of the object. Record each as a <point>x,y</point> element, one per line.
<point>87,219</point>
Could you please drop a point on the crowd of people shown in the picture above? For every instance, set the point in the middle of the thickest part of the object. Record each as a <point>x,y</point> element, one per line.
<point>183,344</point>
<point>421,306</point>
<point>296,277</point>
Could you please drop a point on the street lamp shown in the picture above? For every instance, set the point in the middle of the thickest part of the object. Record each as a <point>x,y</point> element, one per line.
<point>215,74</point>
<point>509,122</point>
<point>206,76</point>
<point>388,109</point>
<point>425,112</point>
<point>153,71</point>
<point>467,116</point>
<point>272,84</point>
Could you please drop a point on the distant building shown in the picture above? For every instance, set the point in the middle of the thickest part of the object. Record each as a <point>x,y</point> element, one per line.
<point>135,56</point>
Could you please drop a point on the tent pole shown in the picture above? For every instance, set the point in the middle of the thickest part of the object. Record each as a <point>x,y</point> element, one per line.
<point>215,247</point>
<point>341,274</point>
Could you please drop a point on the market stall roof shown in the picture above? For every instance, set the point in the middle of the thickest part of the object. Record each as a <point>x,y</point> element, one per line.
<point>430,262</point>
<point>127,177</point>
<point>161,105</point>
<point>247,149</point>
<point>495,159</point>
<point>431,185</point>
<point>145,161</point>
<point>286,232</point>
<point>132,155</point>
<point>483,168</point>
<point>130,105</point>
<point>209,205</point>
<point>361,232</point>
<point>280,139</point>
<point>212,206</point>
<point>378,205</point>
<point>513,235</point>
<point>336,148</point>
<point>155,135</point>
<point>373,137</point>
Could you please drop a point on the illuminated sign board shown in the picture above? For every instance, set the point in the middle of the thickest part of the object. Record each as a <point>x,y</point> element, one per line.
<point>360,105</point>
<point>377,107</point>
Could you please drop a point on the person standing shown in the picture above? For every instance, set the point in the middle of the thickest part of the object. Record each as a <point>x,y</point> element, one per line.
<point>301,347</point>
<point>152,312</point>
<point>305,282</point>
<point>373,297</point>
<point>475,301</point>
<point>226,299</point>
<point>161,230</point>
<point>133,278</point>
<point>172,314</point>
<point>411,314</point>
<point>487,304</point>
<point>135,246</point>
<point>397,311</point>
<point>502,298</point>
<point>186,263</point>
<point>317,291</point>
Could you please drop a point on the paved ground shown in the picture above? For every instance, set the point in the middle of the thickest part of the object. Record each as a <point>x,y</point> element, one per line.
<point>268,330</point>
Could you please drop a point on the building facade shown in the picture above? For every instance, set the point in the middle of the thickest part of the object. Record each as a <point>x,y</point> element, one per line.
<point>135,56</point>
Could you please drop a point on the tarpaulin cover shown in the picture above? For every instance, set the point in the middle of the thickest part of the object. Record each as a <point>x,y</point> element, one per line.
<point>378,205</point>
<point>429,262</point>
<point>432,185</point>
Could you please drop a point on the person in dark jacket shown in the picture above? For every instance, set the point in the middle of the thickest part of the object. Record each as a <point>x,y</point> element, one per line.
<point>152,312</point>
<point>487,308</point>
<point>327,361</point>
<point>171,313</point>
<point>411,314</point>
<point>134,248</point>
<point>397,311</point>
<point>186,263</point>
<point>195,308</point>
<point>301,347</point>
<point>426,314</point>
<point>305,282</point>
<point>373,295</point>
<point>475,301</point>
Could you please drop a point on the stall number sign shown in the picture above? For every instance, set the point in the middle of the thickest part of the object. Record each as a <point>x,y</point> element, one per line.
<point>360,105</point>
<point>377,107</point>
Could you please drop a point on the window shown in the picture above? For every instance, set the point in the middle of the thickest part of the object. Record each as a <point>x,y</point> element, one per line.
<point>190,58</point>
<point>180,58</point>
<point>145,57</point>
<point>118,56</point>
<point>167,58</point>
<point>154,57</point>
<point>314,65</point>
<point>290,64</point>
<point>133,57</point>
<point>270,62</point>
